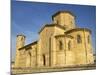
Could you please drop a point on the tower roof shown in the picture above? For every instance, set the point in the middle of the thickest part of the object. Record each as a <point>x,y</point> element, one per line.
<point>62,12</point>
<point>21,35</point>
<point>78,29</point>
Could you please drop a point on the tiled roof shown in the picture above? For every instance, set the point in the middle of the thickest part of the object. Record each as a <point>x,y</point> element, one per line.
<point>51,25</point>
<point>35,42</point>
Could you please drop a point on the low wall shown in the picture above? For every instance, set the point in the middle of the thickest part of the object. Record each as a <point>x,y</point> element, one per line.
<point>51,69</point>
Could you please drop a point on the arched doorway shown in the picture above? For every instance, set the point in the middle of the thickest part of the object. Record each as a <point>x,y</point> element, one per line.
<point>44,60</point>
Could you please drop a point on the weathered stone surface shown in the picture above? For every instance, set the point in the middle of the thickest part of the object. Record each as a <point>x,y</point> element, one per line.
<point>52,69</point>
<point>60,44</point>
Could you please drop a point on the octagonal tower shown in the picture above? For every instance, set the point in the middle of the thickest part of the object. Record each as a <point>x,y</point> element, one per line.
<point>65,19</point>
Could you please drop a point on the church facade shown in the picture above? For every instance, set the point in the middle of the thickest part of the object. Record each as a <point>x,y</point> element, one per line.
<point>60,43</point>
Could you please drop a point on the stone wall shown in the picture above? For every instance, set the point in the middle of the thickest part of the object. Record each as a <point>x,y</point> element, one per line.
<point>65,19</point>
<point>83,50</point>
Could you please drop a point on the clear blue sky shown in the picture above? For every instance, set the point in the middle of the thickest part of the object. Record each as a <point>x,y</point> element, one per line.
<point>28,17</point>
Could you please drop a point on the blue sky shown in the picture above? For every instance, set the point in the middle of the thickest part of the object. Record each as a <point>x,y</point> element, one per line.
<point>28,17</point>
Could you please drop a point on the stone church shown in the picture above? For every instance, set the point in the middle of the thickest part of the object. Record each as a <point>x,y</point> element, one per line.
<point>60,44</point>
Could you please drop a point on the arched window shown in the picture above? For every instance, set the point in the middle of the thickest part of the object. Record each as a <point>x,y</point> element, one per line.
<point>29,53</point>
<point>60,45</point>
<point>71,22</point>
<point>57,21</point>
<point>69,45</point>
<point>88,38</point>
<point>35,48</point>
<point>79,39</point>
